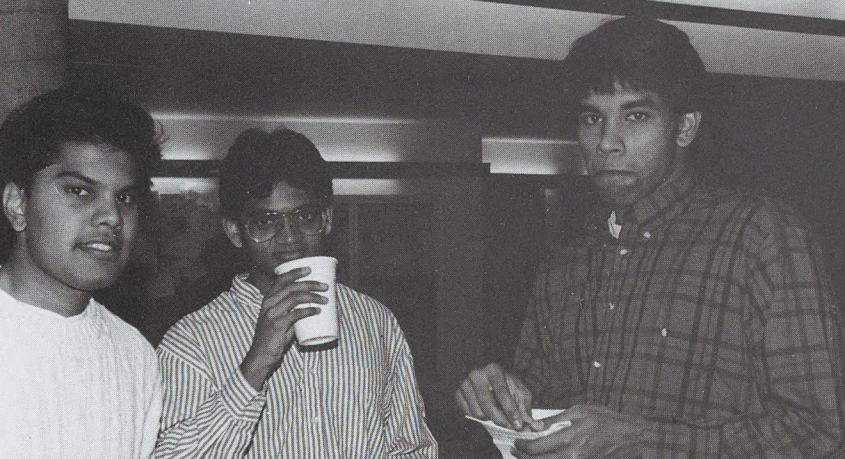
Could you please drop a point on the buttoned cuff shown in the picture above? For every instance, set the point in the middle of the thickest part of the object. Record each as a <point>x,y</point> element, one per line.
<point>241,400</point>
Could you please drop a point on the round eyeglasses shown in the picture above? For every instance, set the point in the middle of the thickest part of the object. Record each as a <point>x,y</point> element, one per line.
<point>309,221</point>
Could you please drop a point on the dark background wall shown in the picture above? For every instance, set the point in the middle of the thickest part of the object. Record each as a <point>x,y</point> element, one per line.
<point>779,137</point>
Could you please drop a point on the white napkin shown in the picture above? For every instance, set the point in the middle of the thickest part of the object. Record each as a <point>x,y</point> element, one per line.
<point>503,437</point>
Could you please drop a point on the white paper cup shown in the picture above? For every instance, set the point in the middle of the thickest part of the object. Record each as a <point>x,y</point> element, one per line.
<point>321,328</point>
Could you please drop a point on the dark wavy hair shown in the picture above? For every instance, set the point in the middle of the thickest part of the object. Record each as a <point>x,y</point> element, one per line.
<point>32,135</point>
<point>640,53</point>
<point>258,160</point>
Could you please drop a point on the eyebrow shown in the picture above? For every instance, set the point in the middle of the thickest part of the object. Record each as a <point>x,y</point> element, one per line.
<point>269,211</point>
<point>639,102</point>
<point>90,181</point>
<point>645,101</point>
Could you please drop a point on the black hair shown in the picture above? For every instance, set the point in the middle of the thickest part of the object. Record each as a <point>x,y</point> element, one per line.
<point>32,135</point>
<point>259,160</point>
<point>639,53</point>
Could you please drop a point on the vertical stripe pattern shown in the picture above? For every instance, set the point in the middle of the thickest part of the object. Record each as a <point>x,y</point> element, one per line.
<point>80,387</point>
<point>358,399</point>
<point>711,313</point>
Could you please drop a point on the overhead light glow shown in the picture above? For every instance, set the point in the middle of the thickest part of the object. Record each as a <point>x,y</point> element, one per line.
<point>274,119</point>
<point>532,156</point>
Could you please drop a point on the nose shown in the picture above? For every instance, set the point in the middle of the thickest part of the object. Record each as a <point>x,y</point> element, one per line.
<point>286,230</point>
<point>611,138</point>
<point>108,213</point>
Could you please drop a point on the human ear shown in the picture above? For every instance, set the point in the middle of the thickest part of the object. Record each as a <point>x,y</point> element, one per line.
<point>233,232</point>
<point>327,229</point>
<point>14,206</point>
<point>687,128</point>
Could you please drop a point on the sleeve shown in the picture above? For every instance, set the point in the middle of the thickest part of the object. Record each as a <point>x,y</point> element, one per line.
<point>406,431</point>
<point>200,419</point>
<point>152,411</point>
<point>540,360</point>
<point>793,335</point>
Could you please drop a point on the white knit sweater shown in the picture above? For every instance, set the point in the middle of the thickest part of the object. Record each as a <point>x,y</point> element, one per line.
<point>76,387</point>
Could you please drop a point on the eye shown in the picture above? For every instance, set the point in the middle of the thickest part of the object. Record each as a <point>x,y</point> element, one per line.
<point>77,190</point>
<point>589,118</point>
<point>129,199</point>
<point>263,221</point>
<point>637,116</point>
<point>307,215</point>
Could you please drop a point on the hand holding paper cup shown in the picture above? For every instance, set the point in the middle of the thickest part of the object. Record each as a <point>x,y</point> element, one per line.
<point>323,327</point>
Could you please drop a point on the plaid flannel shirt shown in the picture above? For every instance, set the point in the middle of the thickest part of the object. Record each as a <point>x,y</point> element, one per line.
<point>711,314</point>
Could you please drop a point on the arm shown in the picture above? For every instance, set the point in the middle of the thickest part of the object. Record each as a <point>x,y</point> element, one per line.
<point>506,397</point>
<point>200,419</point>
<point>152,412</point>
<point>793,348</point>
<point>794,343</point>
<point>406,431</point>
<point>540,360</point>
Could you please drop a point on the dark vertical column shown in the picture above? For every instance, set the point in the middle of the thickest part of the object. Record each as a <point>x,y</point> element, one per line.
<point>33,48</point>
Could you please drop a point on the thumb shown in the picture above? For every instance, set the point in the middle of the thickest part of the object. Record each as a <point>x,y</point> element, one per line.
<point>523,402</point>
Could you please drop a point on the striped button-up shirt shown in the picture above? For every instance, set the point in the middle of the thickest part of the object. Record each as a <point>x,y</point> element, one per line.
<point>711,314</point>
<point>356,400</point>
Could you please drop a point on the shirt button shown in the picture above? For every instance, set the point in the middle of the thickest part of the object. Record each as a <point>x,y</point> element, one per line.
<point>623,252</point>
<point>664,332</point>
<point>315,420</point>
<point>611,306</point>
<point>647,235</point>
<point>597,364</point>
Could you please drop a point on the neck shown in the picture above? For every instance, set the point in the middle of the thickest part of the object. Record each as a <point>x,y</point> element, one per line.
<point>30,285</point>
<point>261,281</point>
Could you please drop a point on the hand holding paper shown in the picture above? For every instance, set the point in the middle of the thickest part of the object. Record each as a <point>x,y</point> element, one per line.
<point>504,437</point>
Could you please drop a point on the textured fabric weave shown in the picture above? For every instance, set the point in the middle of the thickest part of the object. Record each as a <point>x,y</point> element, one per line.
<point>81,387</point>
<point>356,400</point>
<point>711,313</point>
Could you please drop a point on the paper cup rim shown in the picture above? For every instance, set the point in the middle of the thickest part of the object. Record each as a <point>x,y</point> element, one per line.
<point>298,263</point>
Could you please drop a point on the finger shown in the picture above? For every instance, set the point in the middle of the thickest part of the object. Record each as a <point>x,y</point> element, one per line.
<point>281,284</point>
<point>485,392</point>
<point>462,403</point>
<point>507,402</point>
<point>572,414</point>
<point>523,402</point>
<point>470,404</point>
<point>284,303</point>
<point>523,455</point>
<point>558,442</point>
<point>301,313</point>
<point>293,274</point>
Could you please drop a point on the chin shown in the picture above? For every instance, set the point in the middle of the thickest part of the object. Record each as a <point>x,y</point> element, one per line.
<point>94,280</point>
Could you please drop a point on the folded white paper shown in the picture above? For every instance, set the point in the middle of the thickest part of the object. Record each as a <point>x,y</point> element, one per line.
<point>503,437</point>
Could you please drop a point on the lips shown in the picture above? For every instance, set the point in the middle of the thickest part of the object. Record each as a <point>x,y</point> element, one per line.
<point>101,248</point>
<point>289,255</point>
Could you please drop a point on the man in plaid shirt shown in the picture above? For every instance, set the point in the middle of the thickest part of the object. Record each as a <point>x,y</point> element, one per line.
<point>687,321</point>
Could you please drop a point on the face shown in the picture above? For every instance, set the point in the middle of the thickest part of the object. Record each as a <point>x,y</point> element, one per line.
<point>288,243</point>
<point>632,142</point>
<point>79,218</point>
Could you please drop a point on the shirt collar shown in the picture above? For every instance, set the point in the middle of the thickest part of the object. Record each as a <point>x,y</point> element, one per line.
<point>672,191</point>
<point>658,205</point>
<point>246,293</point>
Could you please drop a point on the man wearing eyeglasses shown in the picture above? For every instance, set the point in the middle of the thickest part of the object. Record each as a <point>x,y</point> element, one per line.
<point>236,384</point>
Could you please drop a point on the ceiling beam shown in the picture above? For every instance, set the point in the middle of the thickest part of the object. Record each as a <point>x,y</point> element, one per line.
<point>693,13</point>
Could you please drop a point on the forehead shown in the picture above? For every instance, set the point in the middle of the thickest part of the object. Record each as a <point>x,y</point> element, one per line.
<point>98,163</point>
<point>284,198</point>
<point>624,97</point>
